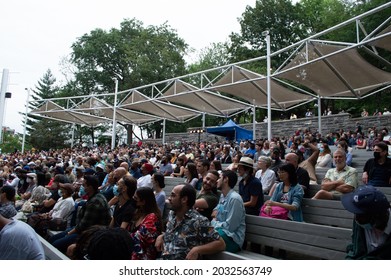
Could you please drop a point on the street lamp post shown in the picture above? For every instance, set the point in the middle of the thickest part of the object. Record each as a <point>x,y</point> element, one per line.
<point>25,118</point>
<point>3,89</point>
<point>199,131</point>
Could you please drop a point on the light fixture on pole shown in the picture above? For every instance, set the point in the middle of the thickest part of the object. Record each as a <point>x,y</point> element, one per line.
<point>25,119</point>
<point>3,89</point>
<point>199,131</point>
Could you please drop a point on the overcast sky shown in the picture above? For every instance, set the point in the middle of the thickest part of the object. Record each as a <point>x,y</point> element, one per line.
<point>36,35</point>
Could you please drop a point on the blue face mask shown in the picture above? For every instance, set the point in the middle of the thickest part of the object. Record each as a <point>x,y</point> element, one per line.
<point>321,150</point>
<point>115,190</point>
<point>82,191</point>
<point>59,193</point>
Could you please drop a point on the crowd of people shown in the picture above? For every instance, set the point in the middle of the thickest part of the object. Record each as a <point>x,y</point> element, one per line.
<point>97,196</point>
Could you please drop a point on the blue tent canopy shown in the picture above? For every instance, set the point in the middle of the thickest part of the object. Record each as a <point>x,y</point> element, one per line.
<point>231,131</point>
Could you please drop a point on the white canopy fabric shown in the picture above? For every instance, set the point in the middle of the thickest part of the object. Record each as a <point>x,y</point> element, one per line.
<point>99,107</point>
<point>136,101</point>
<point>252,87</point>
<point>205,101</point>
<point>345,74</point>
<point>54,111</point>
<point>383,42</point>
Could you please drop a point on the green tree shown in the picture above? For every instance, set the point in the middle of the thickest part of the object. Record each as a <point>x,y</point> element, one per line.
<point>134,54</point>
<point>280,17</point>
<point>45,133</point>
<point>11,142</point>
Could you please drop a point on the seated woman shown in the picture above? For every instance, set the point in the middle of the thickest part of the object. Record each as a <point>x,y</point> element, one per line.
<point>125,207</point>
<point>62,209</point>
<point>146,226</point>
<point>234,165</point>
<point>265,174</point>
<point>191,174</point>
<point>361,143</point>
<point>324,159</point>
<point>179,170</point>
<point>288,194</point>
<point>215,165</point>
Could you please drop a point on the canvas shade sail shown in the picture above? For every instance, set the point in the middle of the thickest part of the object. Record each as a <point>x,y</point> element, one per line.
<point>136,101</point>
<point>205,101</point>
<point>54,111</point>
<point>344,74</point>
<point>100,108</point>
<point>252,87</point>
<point>383,42</point>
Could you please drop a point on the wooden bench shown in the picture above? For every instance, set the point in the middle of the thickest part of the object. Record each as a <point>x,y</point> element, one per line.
<point>310,240</point>
<point>51,252</point>
<point>326,212</point>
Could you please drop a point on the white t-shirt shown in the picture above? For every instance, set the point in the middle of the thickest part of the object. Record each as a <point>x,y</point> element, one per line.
<point>144,181</point>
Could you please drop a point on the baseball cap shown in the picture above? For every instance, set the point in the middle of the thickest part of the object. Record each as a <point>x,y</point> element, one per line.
<point>365,200</point>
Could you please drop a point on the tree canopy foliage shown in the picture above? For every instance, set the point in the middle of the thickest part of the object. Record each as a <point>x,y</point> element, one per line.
<point>139,55</point>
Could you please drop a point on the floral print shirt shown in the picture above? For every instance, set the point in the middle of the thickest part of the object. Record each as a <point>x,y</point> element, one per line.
<point>192,231</point>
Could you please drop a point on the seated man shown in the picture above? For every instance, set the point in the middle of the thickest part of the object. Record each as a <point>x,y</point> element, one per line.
<point>339,180</point>
<point>7,198</point>
<point>188,235</point>
<point>372,224</point>
<point>230,215</point>
<point>377,170</point>
<point>208,197</point>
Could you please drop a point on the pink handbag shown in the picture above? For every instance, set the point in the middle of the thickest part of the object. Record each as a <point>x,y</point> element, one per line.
<point>277,212</point>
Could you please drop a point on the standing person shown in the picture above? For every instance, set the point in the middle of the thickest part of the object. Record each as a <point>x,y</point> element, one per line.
<point>339,180</point>
<point>95,211</point>
<point>377,170</point>
<point>146,225</point>
<point>230,215</point>
<point>18,241</point>
<point>371,238</point>
<point>265,174</point>
<point>250,188</point>
<point>189,235</point>
<point>125,207</point>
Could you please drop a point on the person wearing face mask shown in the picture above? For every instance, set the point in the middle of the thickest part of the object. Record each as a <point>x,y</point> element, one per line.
<point>125,207</point>
<point>377,170</point>
<point>95,211</point>
<point>250,187</point>
<point>62,209</point>
<point>371,238</point>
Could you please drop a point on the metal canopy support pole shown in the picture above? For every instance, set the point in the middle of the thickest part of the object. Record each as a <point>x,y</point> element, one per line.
<point>3,89</point>
<point>254,122</point>
<point>268,65</point>
<point>25,119</point>
<point>73,134</point>
<point>114,114</point>
<point>164,132</point>
<point>319,116</point>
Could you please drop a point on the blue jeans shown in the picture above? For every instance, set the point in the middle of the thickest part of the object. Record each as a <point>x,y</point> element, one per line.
<point>62,240</point>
